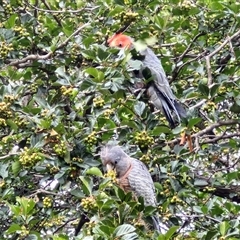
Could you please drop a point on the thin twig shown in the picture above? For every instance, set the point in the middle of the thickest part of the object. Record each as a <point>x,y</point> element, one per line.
<point>222,137</point>
<point>189,46</point>
<point>223,44</point>
<point>7,156</point>
<point>54,15</point>
<point>199,104</point>
<point>208,129</point>
<point>43,191</point>
<point>64,10</point>
<point>64,224</point>
<point>48,55</point>
<point>209,71</point>
<point>208,57</point>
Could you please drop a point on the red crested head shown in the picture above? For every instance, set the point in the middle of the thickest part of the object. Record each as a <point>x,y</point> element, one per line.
<point>120,40</point>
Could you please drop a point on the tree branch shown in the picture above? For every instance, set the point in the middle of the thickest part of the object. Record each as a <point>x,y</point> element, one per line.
<point>230,192</point>
<point>208,129</point>
<point>208,57</point>
<point>65,10</point>
<point>214,140</point>
<point>189,46</point>
<point>25,61</point>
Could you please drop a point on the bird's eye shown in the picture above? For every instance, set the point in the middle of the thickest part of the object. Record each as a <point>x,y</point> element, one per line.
<point>119,45</point>
<point>116,162</point>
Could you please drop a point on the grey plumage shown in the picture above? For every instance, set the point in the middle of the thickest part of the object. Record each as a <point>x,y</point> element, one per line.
<point>159,91</point>
<point>132,176</point>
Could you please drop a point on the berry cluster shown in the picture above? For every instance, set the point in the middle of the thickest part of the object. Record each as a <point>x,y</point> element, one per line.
<point>146,158</point>
<point>77,159</point>
<point>47,202</point>
<point>5,111</point>
<point>108,112</point>
<point>111,174</point>
<point>7,8</point>
<point>89,227</point>
<point>53,169</point>
<point>91,139</point>
<point>89,203</point>
<point>22,31</point>
<point>130,16</point>
<point>142,139</point>
<point>47,115</point>
<point>33,87</point>
<point>2,183</point>
<point>54,222</point>
<point>98,101</point>
<point>67,91</point>
<point>9,98</point>
<point>222,90</point>
<point>176,199</point>
<point>21,122</point>
<point>210,106</point>
<point>60,148</point>
<point>30,156</point>
<point>24,232</point>
<point>186,4</point>
<point>75,51</point>
<point>139,222</point>
<point>3,122</point>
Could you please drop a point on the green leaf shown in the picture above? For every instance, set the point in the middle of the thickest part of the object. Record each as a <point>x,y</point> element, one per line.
<point>160,129</point>
<point>134,65</point>
<point>94,171</point>
<point>16,210</point>
<point>203,89</point>
<point>16,167</point>
<point>200,182</point>
<point>3,170</point>
<point>171,231</point>
<point>139,108</point>
<point>193,121</point>
<point>211,234</point>
<point>13,228</point>
<point>12,124</point>
<point>26,204</point>
<point>61,237</point>
<point>235,108</point>
<point>97,75</point>
<point>87,185</point>
<point>177,130</point>
<point>214,89</point>
<point>124,230</point>
<point>223,227</point>
<point>77,193</point>
<point>102,54</point>
<point>11,21</point>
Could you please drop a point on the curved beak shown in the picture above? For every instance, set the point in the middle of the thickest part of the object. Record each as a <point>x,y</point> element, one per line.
<point>109,167</point>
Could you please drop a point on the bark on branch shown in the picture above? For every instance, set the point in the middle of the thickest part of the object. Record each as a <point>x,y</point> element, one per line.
<point>210,128</point>
<point>25,61</point>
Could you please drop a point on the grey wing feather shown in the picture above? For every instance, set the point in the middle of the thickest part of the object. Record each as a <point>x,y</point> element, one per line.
<point>160,92</point>
<point>141,182</point>
<point>154,64</point>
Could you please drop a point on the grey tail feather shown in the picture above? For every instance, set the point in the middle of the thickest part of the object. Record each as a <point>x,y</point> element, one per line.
<point>168,115</point>
<point>169,105</point>
<point>156,223</point>
<point>180,109</point>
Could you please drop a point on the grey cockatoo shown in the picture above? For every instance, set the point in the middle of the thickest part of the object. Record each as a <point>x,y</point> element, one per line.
<point>132,176</point>
<point>159,90</point>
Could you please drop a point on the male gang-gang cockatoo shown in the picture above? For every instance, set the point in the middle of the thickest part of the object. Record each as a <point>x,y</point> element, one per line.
<point>159,90</point>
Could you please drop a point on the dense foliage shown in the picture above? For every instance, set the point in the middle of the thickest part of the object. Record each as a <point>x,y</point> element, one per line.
<point>64,94</point>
